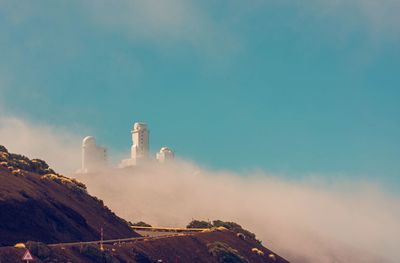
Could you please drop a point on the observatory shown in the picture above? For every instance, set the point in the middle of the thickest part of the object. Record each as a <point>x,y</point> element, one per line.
<point>140,145</point>
<point>165,154</point>
<point>93,157</point>
<point>140,142</point>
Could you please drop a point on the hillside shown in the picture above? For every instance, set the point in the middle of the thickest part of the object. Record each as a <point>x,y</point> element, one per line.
<point>48,209</point>
<point>38,204</point>
<point>218,246</point>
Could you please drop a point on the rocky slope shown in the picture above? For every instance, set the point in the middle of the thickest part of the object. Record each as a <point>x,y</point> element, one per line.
<point>221,246</point>
<point>45,208</point>
<point>38,204</point>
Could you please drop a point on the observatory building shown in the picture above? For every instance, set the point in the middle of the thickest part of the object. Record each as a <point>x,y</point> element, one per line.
<point>140,142</point>
<point>140,145</point>
<point>165,154</point>
<point>93,157</point>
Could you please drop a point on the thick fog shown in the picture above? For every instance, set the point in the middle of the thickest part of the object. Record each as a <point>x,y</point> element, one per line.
<point>304,220</point>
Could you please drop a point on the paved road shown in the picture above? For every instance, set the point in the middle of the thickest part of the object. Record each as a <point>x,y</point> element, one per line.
<point>151,230</point>
<point>168,229</point>
<point>148,233</point>
<point>112,241</point>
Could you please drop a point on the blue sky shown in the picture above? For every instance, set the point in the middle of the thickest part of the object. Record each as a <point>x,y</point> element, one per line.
<point>296,88</point>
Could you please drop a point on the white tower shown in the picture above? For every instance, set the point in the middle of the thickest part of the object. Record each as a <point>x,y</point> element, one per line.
<point>165,154</point>
<point>140,145</point>
<point>93,157</point>
<point>140,142</point>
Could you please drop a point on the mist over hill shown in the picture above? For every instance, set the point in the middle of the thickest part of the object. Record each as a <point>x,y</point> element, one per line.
<point>38,204</point>
<point>306,219</point>
<point>303,221</point>
<point>44,209</point>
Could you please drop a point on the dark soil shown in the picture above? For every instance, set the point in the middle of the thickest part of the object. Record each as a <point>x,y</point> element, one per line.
<point>43,210</point>
<point>186,248</point>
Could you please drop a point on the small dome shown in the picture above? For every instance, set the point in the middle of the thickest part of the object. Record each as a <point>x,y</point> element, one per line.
<point>88,140</point>
<point>165,149</point>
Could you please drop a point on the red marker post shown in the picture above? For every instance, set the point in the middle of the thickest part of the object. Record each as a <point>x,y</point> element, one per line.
<point>27,256</point>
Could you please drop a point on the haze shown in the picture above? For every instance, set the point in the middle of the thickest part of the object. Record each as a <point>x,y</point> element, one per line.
<point>307,220</point>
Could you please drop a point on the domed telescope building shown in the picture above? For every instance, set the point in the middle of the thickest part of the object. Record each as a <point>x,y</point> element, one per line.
<point>94,157</point>
<point>165,154</point>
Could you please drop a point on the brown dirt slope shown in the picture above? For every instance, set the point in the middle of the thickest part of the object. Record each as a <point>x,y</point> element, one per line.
<point>191,248</point>
<point>38,204</point>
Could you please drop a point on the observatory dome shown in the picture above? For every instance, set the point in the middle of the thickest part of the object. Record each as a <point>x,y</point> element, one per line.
<point>165,154</point>
<point>165,149</point>
<point>88,140</point>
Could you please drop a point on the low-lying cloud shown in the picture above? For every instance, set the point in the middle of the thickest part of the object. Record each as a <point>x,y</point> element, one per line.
<point>304,221</point>
<point>59,148</point>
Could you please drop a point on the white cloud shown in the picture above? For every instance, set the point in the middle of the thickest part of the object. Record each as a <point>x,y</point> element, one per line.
<point>162,23</point>
<point>59,148</point>
<point>301,220</point>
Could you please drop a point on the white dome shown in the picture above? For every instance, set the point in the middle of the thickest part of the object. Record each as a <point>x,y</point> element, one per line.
<point>165,154</point>
<point>88,140</point>
<point>165,149</point>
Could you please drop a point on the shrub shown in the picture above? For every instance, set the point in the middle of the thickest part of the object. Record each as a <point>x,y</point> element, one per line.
<point>220,228</point>
<point>70,183</point>
<point>241,236</point>
<point>4,156</point>
<point>140,223</point>
<point>235,228</point>
<point>3,149</point>
<point>96,255</point>
<point>199,224</point>
<point>20,245</point>
<point>272,257</point>
<point>39,249</point>
<point>16,172</point>
<point>222,225</point>
<point>224,253</point>
<point>40,167</point>
<point>257,251</point>
<point>22,162</point>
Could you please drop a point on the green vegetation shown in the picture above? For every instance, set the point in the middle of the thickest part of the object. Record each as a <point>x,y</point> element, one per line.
<point>224,253</point>
<point>226,224</point>
<point>17,161</point>
<point>3,149</point>
<point>19,164</point>
<point>199,224</point>
<point>70,183</point>
<point>235,228</point>
<point>140,223</point>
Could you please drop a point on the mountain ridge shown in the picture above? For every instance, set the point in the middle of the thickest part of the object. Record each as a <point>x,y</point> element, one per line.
<point>39,204</point>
